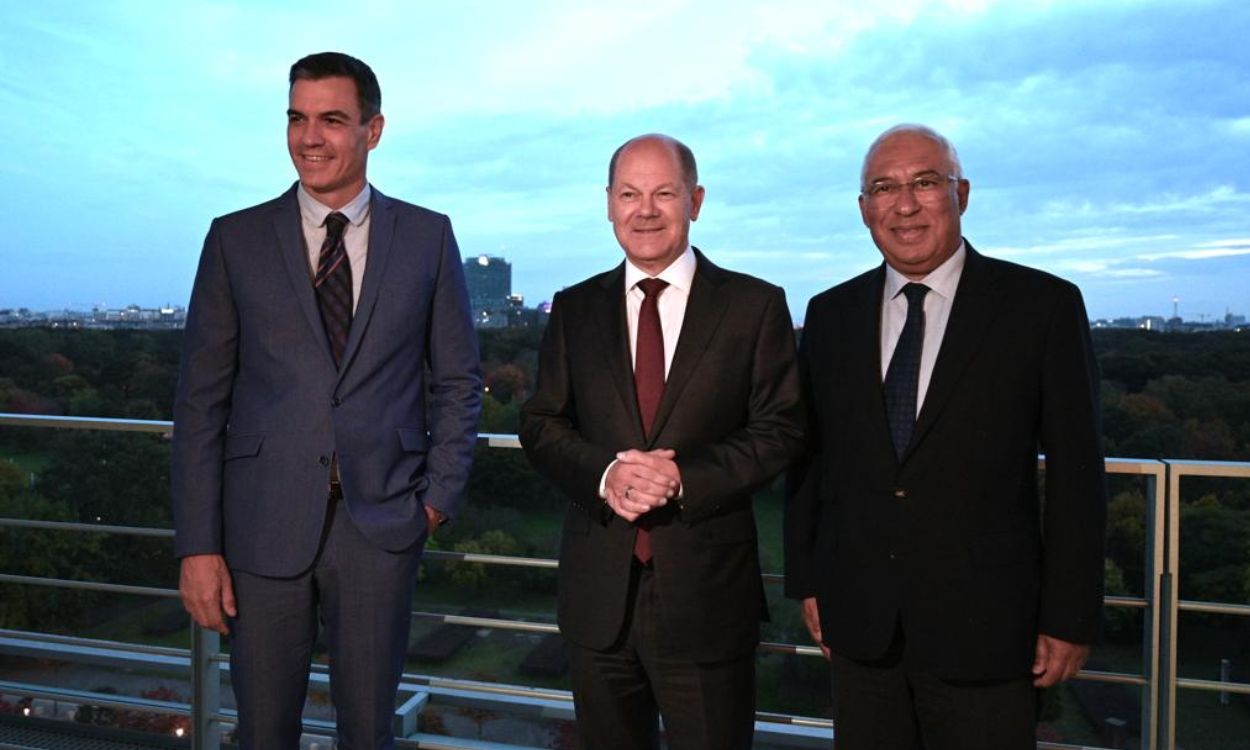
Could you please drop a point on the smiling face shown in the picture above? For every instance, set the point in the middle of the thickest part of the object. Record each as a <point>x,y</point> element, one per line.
<point>915,232</point>
<point>329,144</point>
<point>650,205</point>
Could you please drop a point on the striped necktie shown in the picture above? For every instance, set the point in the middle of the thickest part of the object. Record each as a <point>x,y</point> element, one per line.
<point>334,285</point>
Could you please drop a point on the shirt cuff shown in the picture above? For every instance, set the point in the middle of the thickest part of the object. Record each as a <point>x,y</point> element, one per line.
<point>603,480</point>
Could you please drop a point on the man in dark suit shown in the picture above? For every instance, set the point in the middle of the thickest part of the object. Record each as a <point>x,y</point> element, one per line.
<point>325,420</point>
<point>944,590</point>
<point>667,393</point>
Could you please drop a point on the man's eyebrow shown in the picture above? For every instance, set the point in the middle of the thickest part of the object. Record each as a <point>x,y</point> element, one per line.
<point>914,175</point>
<point>323,115</point>
<point>661,186</point>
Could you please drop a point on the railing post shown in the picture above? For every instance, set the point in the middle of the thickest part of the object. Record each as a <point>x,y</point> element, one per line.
<point>1152,627</point>
<point>205,689</point>
<point>1165,722</point>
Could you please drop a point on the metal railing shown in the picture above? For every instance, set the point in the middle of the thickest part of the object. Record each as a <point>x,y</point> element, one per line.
<point>1159,603</point>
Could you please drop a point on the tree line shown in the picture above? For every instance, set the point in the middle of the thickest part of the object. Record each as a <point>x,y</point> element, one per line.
<point>1164,395</point>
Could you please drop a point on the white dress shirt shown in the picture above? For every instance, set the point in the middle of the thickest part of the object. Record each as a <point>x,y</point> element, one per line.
<point>942,282</point>
<point>313,215</point>
<point>672,302</point>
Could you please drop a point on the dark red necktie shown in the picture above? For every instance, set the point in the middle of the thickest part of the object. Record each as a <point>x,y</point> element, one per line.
<point>333,283</point>
<point>648,381</point>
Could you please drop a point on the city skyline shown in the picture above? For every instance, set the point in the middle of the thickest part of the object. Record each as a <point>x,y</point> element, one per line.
<point>1105,142</point>
<point>484,295</point>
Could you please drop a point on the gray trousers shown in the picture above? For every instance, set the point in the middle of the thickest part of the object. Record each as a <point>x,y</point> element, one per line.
<point>363,596</point>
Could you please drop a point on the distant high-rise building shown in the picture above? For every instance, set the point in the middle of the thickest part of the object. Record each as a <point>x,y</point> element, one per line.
<point>489,279</point>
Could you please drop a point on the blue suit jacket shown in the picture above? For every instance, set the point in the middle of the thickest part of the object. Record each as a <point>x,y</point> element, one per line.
<point>261,407</point>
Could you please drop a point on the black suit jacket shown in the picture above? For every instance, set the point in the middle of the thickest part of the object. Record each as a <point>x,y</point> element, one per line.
<point>954,539</point>
<point>731,409</point>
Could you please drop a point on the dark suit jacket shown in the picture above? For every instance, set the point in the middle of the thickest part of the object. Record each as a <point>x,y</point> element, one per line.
<point>955,540</point>
<point>731,409</point>
<point>261,408</point>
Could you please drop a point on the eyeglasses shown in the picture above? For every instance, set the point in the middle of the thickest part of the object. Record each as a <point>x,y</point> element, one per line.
<point>927,188</point>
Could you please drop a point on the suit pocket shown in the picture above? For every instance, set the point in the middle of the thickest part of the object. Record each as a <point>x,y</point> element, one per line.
<point>242,446</point>
<point>413,440</point>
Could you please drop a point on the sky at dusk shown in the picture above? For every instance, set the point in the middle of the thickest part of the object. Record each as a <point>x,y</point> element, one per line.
<point>1107,142</point>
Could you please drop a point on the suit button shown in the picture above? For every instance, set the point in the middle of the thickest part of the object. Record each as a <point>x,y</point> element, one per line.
<point>900,493</point>
<point>336,401</point>
<point>893,556</point>
<point>325,460</point>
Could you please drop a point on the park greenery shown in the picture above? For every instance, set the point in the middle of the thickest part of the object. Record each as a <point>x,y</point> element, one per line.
<point>1183,396</point>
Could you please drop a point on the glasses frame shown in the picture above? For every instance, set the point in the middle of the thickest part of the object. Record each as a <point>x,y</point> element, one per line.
<point>888,199</point>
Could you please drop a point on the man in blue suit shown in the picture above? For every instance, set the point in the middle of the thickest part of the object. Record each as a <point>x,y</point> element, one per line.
<point>325,420</point>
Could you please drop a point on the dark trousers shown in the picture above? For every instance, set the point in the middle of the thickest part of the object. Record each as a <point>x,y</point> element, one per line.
<point>620,693</point>
<point>883,705</point>
<point>363,596</point>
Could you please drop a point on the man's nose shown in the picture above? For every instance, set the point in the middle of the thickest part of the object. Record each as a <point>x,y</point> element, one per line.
<point>311,134</point>
<point>906,203</point>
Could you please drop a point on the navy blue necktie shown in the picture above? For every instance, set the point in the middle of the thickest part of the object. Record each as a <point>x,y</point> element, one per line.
<point>902,379</point>
<point>333,283</point>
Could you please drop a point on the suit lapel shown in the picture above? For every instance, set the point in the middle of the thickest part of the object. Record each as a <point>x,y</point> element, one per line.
<point>287,225</point>
<point>976,302</point>
<point>614,333</point>
<point>865,342</point>
<point>704,309</point>
<point>381,240</point>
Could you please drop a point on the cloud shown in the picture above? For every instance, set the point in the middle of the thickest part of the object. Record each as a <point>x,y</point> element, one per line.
<point>1202,253</point>
<point>1103,268</point>
<point>1133,273</point>
<point>1101,241</point>
<point>1219,197</point>
<point>1239,126</point>
<point>1105,141</point>
<point>1237,242</point>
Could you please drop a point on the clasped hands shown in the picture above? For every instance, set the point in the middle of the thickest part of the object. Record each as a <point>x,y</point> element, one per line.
<point>640,481</point>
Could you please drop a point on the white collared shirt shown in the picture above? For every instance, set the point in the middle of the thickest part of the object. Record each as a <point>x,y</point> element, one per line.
<point>942,282</point>
<point>313,215</point>
<point>672,302</point>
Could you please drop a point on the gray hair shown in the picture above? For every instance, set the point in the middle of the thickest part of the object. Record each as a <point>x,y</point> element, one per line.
<point>921,130</point>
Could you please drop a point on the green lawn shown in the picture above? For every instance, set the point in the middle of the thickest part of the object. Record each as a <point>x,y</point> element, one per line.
<point>32,463</point>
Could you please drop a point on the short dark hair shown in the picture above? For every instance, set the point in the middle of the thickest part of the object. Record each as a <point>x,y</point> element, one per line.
<point>689,170</point>
<point>336,64</point>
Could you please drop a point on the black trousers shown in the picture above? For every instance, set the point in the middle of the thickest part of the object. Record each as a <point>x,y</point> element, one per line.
<point>883,705</point>
<point>619,694</point>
